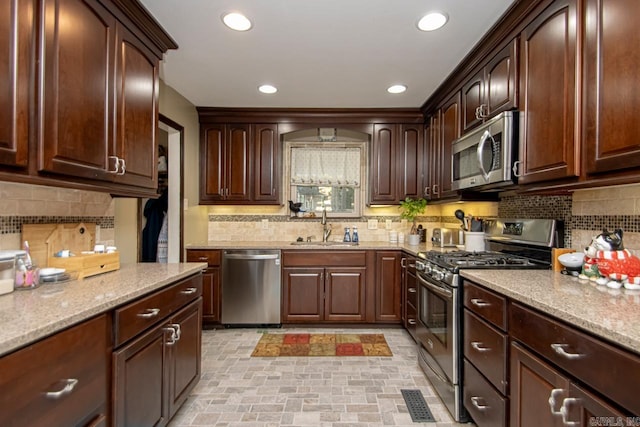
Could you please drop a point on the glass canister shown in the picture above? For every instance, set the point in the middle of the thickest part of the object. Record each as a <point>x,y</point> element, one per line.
<point>8,270</point>
<point>26,274</point>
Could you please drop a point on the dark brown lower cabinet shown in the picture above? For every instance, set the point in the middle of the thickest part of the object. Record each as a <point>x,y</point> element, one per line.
<point>154,373</point>
<point>543,396</point>
<point>62,380</point>
<point>210,283</point>
<point>388,287</point>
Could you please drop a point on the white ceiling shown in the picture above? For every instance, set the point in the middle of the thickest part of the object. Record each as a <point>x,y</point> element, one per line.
<point>318,53</point>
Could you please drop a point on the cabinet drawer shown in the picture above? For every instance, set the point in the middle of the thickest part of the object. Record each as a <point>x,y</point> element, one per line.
<point>329,258</point>
<point>212,257</point>
<point>486,304</point>
<point>613,372</point>
<point>134,318</point>
<point>486,348</point>
<point>485,405</point>
<point>59,381</point>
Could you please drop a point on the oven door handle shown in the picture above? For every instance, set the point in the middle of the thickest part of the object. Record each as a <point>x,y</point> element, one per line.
<point>438,376</point>
<point>446,293</point>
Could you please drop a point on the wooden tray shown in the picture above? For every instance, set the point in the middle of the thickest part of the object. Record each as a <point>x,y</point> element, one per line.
<point>89,264</point>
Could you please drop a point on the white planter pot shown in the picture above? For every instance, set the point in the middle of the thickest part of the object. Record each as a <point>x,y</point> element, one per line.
<point>413,239</point>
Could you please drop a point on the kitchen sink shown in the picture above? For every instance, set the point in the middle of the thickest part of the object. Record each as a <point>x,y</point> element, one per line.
<point>330,244</point>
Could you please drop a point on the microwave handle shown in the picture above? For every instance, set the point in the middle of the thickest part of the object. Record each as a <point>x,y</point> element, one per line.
<point>486,135</point>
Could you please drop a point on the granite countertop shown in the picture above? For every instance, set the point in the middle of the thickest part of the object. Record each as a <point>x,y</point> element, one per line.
<point>613,315</point>
<point>283,245</point>
<point>29,315</point>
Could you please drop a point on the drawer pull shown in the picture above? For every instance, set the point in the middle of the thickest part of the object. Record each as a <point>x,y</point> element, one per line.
<point>479,303</point>
<point>149,313</point>
<point>552,400</point>
<point>476,402</point>
<point>411,290</point>
<point>70,384</point>
<point>564,410</point>
<point>203,258</point>
<point>477,345</point>
<point>189,291</point>
<point>560,349</point>
<point>411,321</point>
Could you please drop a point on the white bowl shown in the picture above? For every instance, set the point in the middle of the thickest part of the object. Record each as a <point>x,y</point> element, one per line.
<point>572,260</point>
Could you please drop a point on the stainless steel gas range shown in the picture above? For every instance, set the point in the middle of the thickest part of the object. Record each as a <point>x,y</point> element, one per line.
<point>511,244</point>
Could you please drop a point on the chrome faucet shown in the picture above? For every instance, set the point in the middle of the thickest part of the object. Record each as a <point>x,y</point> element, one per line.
<point>326,228</point>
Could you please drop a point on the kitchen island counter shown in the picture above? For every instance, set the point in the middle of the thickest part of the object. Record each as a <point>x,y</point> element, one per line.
<point>29,315</point>
<point>613,315</point>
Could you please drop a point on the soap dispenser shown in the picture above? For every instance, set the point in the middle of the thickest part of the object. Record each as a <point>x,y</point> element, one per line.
<point>355,237</point>
<point>347,235</point>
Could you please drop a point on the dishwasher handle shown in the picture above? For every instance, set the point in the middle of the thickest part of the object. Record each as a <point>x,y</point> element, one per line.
<point>251,257</point>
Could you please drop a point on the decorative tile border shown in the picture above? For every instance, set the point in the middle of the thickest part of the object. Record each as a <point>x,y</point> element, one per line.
<point>13,224</point>
<point>628,223</point>
<point>287,218</point>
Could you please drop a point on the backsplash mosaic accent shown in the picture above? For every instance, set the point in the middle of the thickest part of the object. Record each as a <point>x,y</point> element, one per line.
<point>286,218</point>
<point>13,224</point>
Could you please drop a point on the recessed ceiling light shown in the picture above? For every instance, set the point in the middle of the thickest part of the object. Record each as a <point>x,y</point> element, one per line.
<point>267,89</point>
<point>432,21</point>
<point>396,89</point>
<point>236,21</point>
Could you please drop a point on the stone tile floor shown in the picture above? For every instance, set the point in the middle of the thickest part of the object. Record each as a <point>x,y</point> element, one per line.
<point>239,390</point>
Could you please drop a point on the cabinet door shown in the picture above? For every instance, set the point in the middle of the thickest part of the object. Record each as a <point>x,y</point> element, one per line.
<point>17,45</point>
<point>537,390</point>
<point>500,88</point>
<point>266,163</point>
<point>185,355</point>
<point>237,163</point>
<point>75,106</point>
<point>303,292</point>
<point>136,119</point>
<point>612,89</point>
<point>583,407</point>
<point>212,167</point>
<point>449,132</point>
<point>548,85</point>
<point>388,287</point>
<point>472,99</point>
<point>431,190</point>
<point>211,295</point>
<point>410,154</point>
<point>344,294</point>
<point>384,164</point>
<point>141,386</point>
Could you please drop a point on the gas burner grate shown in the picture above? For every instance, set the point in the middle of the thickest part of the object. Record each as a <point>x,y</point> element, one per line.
<point>417,406</point>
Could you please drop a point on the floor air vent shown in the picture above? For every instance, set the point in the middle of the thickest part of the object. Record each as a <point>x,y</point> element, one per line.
<point>417,406</point>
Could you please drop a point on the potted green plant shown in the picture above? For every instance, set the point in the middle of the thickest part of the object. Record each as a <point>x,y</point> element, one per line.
<point>410,209</point>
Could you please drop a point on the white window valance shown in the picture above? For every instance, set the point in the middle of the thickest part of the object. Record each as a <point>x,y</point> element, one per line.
<point>325,166</point>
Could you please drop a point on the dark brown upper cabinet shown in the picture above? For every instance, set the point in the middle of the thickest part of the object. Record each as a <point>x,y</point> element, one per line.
<point>17,45</point>
<point>448,131</point>
<point>239,164</point>
<point>611,85</point>
<point>492,90</point>
<point>549,147</point>
<point>396,163</point>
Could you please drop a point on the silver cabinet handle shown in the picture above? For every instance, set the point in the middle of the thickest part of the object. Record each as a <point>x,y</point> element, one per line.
<point>516,173</point>
<point>69,385</point>
<point>403,262</point>
<point>172,337</point>
<point>560,349</point>
<point>477,345</point>
<point>149,313</point>
<point>479,303</point>
<point>476,402</point>
<point>189,291</point>
<point>203,258</point>
<point>436,189</point>
<point>123,167</point>
<point>411,321</point>
<point>176,327</point>
<point>552,400</point>
<point>564,410</point>
<point>116,165</point>
<point>412,290</point>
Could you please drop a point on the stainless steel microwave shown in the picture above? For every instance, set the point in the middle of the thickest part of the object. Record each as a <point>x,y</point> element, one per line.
<point>485,156</point>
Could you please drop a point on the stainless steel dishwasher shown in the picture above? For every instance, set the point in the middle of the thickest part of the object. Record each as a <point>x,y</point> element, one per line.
<point>251,283</point>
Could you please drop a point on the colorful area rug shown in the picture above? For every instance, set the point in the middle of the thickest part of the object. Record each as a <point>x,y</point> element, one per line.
<point>271,345</point>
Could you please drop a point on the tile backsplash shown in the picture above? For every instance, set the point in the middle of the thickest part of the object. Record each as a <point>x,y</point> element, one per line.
<point>34,204</point>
